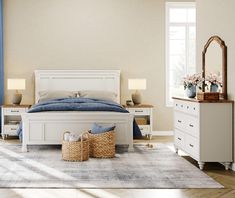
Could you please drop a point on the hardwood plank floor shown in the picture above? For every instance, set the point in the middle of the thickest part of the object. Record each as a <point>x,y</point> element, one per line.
<point>214,170</point>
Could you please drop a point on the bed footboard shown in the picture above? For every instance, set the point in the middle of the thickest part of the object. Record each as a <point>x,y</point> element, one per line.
<point>46,128</point>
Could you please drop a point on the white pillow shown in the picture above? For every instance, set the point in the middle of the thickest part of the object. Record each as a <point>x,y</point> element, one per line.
<point>102,95</point>
<point>47,95</point>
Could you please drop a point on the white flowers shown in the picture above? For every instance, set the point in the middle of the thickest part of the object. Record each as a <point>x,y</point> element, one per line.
<point>213,79</point>
<point>193,80</point>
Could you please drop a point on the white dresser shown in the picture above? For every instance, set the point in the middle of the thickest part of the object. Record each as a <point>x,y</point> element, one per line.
<point>204,130</point>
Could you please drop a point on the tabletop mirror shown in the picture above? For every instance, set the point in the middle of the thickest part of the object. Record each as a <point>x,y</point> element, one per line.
<point>214,65</point>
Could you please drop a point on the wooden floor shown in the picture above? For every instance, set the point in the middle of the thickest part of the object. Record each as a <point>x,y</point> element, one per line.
<point>214,170</point>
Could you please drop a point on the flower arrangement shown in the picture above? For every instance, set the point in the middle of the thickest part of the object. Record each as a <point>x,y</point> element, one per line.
<point>193,80</point>
<point>213,79</point>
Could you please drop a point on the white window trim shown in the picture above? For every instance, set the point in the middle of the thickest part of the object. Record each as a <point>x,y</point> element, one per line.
<point>169,5</point>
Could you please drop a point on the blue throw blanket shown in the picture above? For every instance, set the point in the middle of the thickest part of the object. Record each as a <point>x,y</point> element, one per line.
<point>79,104</point>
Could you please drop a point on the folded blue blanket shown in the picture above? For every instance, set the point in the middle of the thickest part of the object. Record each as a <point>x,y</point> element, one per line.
<point>80,104</point>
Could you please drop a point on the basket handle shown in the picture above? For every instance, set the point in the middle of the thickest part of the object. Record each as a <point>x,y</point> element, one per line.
<point>87,134</point>
<point>64,133</point>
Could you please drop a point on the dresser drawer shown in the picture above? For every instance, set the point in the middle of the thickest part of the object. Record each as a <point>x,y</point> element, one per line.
<point>192,108</point>
<point>187,107</point>
<point>187,123</point>
<point>192,146</point>
<point>14,111</point>
<point>180,121</point>
<point>179,105</point>
<point>192,126</point>
<point>139,111</point>
<point>179,138</point>
<point>10,129</point>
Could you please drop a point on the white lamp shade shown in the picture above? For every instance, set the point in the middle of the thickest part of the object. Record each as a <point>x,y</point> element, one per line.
<point>15,84</point>
<point>137,83</point>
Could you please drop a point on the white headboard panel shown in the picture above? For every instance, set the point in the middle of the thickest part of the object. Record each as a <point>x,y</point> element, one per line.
<point>75,80</point>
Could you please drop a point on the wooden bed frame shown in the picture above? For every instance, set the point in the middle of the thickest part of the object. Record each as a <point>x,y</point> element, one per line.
<point>46,128</point>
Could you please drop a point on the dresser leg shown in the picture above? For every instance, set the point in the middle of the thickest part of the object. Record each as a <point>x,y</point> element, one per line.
<point>227,164</point>
<point>201,165</point>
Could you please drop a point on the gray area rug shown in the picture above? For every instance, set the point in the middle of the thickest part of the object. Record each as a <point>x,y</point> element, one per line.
<point>43,167</point>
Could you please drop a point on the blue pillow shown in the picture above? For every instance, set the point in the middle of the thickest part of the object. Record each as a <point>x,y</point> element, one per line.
<point>96,129</point>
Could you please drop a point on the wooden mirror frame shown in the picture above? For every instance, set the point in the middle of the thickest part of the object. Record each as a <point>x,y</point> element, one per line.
<point>223,94</point>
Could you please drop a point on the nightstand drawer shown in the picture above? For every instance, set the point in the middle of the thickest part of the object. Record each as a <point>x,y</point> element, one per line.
<point>145,128</point>
<point>139,111</point>
<point>11,129</point>
<point>14,111</point>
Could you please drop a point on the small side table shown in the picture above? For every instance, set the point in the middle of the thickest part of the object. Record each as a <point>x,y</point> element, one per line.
<point>143,114</point>
<point>11,117</point>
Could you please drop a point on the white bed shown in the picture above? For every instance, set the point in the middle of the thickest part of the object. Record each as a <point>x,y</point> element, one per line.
<point>46,128</point>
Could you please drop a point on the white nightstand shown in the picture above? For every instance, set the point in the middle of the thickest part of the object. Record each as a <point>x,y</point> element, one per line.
<point>144,117</point>
<point>11,117</point>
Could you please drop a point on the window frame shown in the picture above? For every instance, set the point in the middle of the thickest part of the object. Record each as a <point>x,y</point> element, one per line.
<point>168,24</point>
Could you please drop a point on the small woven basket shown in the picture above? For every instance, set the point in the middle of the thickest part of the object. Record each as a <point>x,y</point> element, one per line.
<point>76,150</point>
<point>102,145</point>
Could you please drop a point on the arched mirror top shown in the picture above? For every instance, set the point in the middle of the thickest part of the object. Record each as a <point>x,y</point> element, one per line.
<point>212,39</point>
<point>214,63</point>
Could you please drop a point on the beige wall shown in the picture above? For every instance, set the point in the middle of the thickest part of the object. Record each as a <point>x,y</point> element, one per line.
<point>216,17</point>
<point>89,34</point>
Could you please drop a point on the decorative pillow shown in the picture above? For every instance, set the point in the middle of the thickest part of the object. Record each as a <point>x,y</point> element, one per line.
<point>96,129</point>
<point>102,95</point>
<point>47,95</point>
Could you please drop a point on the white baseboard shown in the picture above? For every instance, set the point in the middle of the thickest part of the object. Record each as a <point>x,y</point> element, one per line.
<point>162,133</point>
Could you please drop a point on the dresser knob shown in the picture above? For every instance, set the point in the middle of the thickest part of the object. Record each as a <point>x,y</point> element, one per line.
<point>179,139</point>
<point>179,121</point>
<point>191,145</point>
<point>191,125</point>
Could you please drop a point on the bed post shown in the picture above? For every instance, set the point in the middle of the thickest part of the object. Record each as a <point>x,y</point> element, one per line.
<point>25,133</point>
<point>130,133</point>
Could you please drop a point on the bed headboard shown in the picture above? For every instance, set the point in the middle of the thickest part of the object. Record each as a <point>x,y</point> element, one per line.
<point>75,80</point>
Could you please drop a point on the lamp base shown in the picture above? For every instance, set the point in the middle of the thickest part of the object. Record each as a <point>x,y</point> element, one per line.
<point>16,99</point>
<point>136,98</point>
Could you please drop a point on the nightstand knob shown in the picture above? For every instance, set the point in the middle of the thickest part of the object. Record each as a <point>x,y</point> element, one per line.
<point>15,111</point>
<point>138,111</point>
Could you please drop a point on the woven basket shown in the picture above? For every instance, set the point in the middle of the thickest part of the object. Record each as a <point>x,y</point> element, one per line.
<point>76,150</point>
<point>102,145</point>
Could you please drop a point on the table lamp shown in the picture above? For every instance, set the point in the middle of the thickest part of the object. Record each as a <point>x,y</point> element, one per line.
<point>136,84</point>
<point>16,84</point>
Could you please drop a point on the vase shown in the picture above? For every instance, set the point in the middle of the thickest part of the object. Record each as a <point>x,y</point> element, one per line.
<point>214,88</point>
<point>191,91</point>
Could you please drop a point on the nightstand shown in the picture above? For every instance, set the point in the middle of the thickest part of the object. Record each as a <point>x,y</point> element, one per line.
<point>144,117</point>
<point>11,117</point>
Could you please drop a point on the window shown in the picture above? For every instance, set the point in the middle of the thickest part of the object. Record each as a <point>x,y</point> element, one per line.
<point>180,46</point>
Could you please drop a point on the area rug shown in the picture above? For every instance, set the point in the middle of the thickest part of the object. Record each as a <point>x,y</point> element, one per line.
<point>42,167</point>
